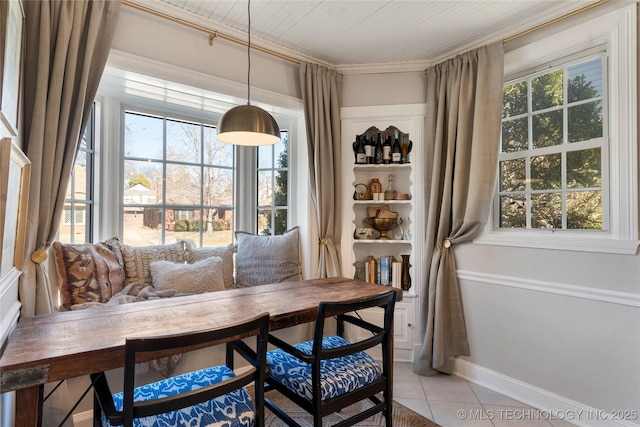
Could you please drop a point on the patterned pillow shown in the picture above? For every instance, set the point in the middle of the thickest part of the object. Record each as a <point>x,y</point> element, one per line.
<point>201,276</point>
<point>193,254</point>
<point>138,258</point>
<point>268,259</point>
<point>88,272</point>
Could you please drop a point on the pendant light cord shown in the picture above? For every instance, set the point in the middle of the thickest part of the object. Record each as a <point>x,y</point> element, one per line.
<point>249,55</point>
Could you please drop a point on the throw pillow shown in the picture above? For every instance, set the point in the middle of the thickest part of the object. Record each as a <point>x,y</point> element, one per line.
<point>88,272</point>
<point>193,254</point>
<point>268,259</point>
<point>137,259</point>
<point>201,276</point>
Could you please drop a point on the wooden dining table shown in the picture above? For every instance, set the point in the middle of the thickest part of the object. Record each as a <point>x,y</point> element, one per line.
<point>53,347</point>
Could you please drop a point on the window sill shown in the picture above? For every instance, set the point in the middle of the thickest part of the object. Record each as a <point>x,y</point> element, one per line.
<point>556,240</point>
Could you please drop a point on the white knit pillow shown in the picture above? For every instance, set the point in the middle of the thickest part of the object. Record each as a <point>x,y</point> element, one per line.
<point>201,276</point>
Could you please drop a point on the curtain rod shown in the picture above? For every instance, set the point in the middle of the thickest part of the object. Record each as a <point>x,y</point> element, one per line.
<point>212,33</point>
<point>555,20</point>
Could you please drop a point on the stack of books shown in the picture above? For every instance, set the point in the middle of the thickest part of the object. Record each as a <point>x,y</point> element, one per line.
<point>386,270</point>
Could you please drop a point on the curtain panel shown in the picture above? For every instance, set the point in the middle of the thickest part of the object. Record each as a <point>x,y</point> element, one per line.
<point>320,88</point>
<point>464,108</point>
<point>66,48</point>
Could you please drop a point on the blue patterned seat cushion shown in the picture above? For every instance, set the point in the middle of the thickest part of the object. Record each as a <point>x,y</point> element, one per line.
<point>338,376</point>
<point>231,410</point>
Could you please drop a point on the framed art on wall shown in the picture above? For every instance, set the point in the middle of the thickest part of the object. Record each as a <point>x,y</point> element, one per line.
<point>15,174</point>
<point>11,54</point>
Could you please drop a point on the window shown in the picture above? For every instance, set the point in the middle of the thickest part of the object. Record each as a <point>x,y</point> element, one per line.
<point>178,182</point>
<point>272,176</point>
<point>75,226</point>
<point>553,148</point>
<point>568,163</point>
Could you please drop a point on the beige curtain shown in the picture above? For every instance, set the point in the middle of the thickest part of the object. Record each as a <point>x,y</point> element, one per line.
<point>67,44</point>
<point>464,105</point>
<point>320,95</point>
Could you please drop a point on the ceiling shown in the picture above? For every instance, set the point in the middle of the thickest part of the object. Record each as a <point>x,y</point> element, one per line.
<point>343,33</point>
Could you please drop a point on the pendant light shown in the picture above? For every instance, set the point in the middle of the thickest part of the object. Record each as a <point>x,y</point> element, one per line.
<point>248,124</point>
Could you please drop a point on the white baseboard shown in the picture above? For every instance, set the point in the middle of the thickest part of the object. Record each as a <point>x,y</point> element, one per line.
<point>563,408</point>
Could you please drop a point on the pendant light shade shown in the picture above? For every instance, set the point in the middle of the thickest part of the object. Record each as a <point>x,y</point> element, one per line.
<point>248,125</point>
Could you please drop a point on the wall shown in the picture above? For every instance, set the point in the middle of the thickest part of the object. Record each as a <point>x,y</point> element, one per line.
<point>557,329</point>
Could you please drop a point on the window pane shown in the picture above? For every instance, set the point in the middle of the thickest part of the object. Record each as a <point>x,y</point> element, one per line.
<point>183,141</point>
<point>216,152</point>
<point>546,172</point>
<point>143,136</point>
<point>547,129</point>
<point>143,182</point>
<point>546,91</point>
<point>585,121</point>
<point>584,210</point>
<point>513,211</point>
<point>183,185</point>
<point>546,210</point>
<point>513,175</point>
<point>515,135</point>
<point>218,187</point>
<point>514,99</point>
<point>265,157</point>
<point>280,222</point>
<point>265,188</point>
<point>142,225</point>
<point>584,168</point>
<point>585,81</point>
<point>264,221</point>
<point>219,229</point>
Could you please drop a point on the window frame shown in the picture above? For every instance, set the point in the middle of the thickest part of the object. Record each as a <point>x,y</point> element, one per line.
<point>122,90</point>
<point>562,149</point>
<point>617,30</point>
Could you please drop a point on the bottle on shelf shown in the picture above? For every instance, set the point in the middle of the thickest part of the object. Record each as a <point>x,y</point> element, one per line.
<point>389,192</point>
<point>386,149</point>
<point>361,155</point>
<point>369,150</point>
<point>375,188</point>
<point>379,158</point>
<point>396,150</point>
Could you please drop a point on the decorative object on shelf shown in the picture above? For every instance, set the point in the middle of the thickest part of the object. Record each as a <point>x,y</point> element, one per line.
<point>361,192</point>
<point>359,151</point>
<point>406,277</point>
<point>363,233</point>
<point>405,148</point>
<point>384,225</point>
<point>248,124</point>
<point>389,192</point>
<point>375,188</point>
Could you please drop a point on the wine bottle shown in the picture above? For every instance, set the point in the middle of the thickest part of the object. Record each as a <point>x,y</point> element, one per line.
<point>361,155</point>
<point>368,149</point>
<point>386,149</point>
<point>379,159</point>
<point>355,146</point>
<point>396,151</point>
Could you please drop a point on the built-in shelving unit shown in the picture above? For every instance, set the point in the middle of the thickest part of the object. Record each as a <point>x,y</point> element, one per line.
<point>404,239</point>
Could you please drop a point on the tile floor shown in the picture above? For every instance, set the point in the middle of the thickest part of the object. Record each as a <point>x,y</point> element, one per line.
<point>454,402</point>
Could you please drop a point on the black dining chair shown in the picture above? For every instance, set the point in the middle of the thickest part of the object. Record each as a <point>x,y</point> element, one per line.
<point>208,396</point>
<point>329,373</point>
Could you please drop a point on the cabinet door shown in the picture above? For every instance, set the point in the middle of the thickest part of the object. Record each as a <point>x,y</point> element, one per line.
<point>402,330</point>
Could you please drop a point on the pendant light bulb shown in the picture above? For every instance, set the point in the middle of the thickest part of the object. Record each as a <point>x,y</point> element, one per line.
<point>247,124</point>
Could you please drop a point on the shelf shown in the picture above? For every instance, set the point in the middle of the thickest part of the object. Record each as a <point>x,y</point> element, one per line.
<point>390,167</point>
<point>377,202</point>
<point>381,241</point>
